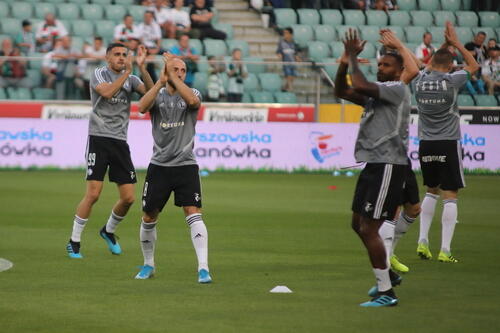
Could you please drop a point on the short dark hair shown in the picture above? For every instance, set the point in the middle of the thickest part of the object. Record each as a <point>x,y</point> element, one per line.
<point>98,38</point>
<point>481,33</point>
<point>426,33</point>
<point>150,12</point>
<point>113,45</point>
<point>127,15</point>
<point>396,56</point>
<point>26,23</point>
<point>289,29</point>
<point>442,57</point>
<point>235,49</point>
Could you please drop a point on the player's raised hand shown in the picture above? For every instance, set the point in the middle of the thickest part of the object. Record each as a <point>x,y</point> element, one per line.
<point>164,74</point>
<point>389,39</point>
<point>169,64</point>
<point>450,34</point>
<point>129,62</point>
<point>142,54</point>
<point>352,44</point>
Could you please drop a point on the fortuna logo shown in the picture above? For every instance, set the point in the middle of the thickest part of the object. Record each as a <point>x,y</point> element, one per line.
<point>368,207</point>
<point>197,197</point>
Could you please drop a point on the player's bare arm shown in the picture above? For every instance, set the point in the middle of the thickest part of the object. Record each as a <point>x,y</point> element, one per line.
<point>108,90</point>
<point>389,40</point>
<point>451,38</point>
<point>176,71</point>
<point>147,101</point>
<point>141,63</point>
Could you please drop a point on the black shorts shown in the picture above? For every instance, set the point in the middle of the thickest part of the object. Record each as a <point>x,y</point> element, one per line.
<point>410,187</point>
<point>441,164</point>
<point>184,181</point>
<point>379,190</point>
<point>103,152</point>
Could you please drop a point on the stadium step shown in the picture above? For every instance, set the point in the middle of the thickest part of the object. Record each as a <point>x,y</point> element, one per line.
<point>238,15</point>
<point>231,5</point>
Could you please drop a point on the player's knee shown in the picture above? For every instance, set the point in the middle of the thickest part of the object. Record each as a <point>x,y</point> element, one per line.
<point>149,218</point>
<point>92,196</point>
<point>128,200</point>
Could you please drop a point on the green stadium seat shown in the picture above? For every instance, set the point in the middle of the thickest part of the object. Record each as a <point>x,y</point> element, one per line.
<point>68,11</point>
<point>452,5</point>
<point>168,43</point>
<point>365,68</point>
<point>407,4</point>
<point>285,97</point>
<point>102,2</point>
<point>490,33</point>
<point>497,30</point>
<point>324,33</point>
<point>376,17</point>
<point>238,44</point>
<point>35,77</point>
<point>428,5</point>
<point>2,37</point>
<point>421,18</point>
<point>215,18</point>
<point>486,100</point>
<point>331,68</point>
<point>203,64</point>
<point>24,93</point>
<point>400,18</point>
<point>370,33</point>
<point>117,12</point>
<point>342,29</point>
<point>78,41</point>
<point>331,17</point>
<point>441,16</point>
<point>337,49</point>
<point>105,29</point>
<point>371,77</point>
<point>91,11</point>
<point>413,100</point>
<point>215,47</point>
<point>262,97</point>
<point>43,93</point>
<point>21,10</point>
<point>12,93</point>
<point>465,100</point>
<point>437,35</point>
<point>369,51</point>
<point>397,30</point>
<point>136,11</point>
<point>197,45</point>
<point>255,68</point>
<point>36,63</point>
<point>226,27</point>
<point>270,81</point>
<point>374,67</point>
<point>10,26</point>
<point>82,28</point>
<point>124,2</point>
<point>41,9</point>
<point>318,50</point>
<point>225,78</point>
<point>412,46</point>
<point>464,34</point>
<point>414,34</point>
<point>3,95</point>
<point>489,19</point>
<point>251,82</point>
<point>58,2</point>
<point>4,11</point>
<point>285,17</point>
<point>308,16</point>
<point>467,19</point>
<point>354,17</point>
<point>302,34</point>
<point>200,82</point>
<point>246,98</point>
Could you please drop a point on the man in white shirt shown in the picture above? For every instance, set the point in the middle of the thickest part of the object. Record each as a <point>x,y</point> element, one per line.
<point>149,32</point>
<point>163,16</point>
<point>490,70</point>
<point>48,31</point>
<point>181,20</point>
<point>93,56</point>
<point>425,50</point>
<point>126,31</point>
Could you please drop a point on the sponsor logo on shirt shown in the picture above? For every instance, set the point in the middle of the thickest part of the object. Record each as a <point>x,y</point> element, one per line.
<point>165,125</point>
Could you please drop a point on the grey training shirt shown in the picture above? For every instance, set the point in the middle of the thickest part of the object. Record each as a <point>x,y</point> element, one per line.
<point>173,127</point>
<point>110,116</point>
<point>436,94</point>
<point>383,131</point>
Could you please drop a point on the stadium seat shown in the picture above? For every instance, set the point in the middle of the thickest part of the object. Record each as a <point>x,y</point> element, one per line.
<point>365,68</point>
<point>246,98</point>
<point>102,2</point>
<point>486,100</point>
<point>285,97</point>
<point>251,82</point>
<point>285,17</point>
<point>12,93</point>
<point>197,45</point>
<point>43,93</point>
<point>497,30</point>
<point>226,27</point>
<point>376,17</point>
<point>168,43</point>
<point>262,97</point>
<point>270,81</point>
<point>2,37</point>
<point>3,95</point>
<point>215,17</point>
<point>43,8</point>
<point>374,67</point>
<point>400,18</point>
<point>370,33</point>
<point>465,100</point>
<point>215,47</point>
<point>353,17</point>
<point>437,35</point>
<point>68,11</point>
<point>370,77</point>
<point>412,46</point>
<point>24,93</point>
<point>489,19</point>
<point>117,12</point>
<point>308,16</point>
<point>136,11</point>
<point>124,2</point>
<point>318,50</point>
<point>407,4</point>
<point>397,30</point>
<point>238,44</point>
<point>441,16</point>
<point>421,18</point>
<point>414,34</point>
<point>202,64</point>
<point>302,34</point>
<point>324,33</point>
<point>200,82</point>
<point>413,100</point>
<point>36,63</point>
<point>331,68</point>
<point>78,41</point>
<point>58,2</point>
<point>255,68</point>
<point>428,5</point>
<point>337,49</point>
<point>464,34</point>
<point>35,76</point>
<point>91,12</point>
<point>452,5</point>
<point>368,51</point>
<point>332,17</point>
<point>21,10</point>
<point>10,26</point>
<point>4,11</point>
<point>105,29</point>
<point>342,29</point>
<point>82,28</point>
<point>467,19</point>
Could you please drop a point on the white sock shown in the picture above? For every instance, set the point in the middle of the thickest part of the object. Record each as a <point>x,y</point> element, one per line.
<point>386,232</point>
<point>383,279</point>
<point>448,221</point>
<point>147,236</point>
<point>78,226</point>
<point>404,222</point>
<point>426,216</point>
<point>199,236</point>
<point>113,222</point>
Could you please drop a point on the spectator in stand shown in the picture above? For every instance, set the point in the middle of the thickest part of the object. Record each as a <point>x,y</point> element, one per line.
<point>492,43</point>
<point>67,58</point>
<point>490,70</point>
<point>126,31</point>
<point>190,57</point>
<point>201,15</point>
<point>215,85</point>
<point>425,50</point>
<point>354,4</point>
<point>93,56</point>
<point>237,72</point>
<point>477,45</point>
<point>188,3</point>
<point>48,31</point>
<point>182,23</point>
<point>163,16</point>
<point>146,3</point>
<point>149,32</point>
<point>25,40</point>
<point>49,66</point>
<point>12,72</point>
<point>288,51</point>
<point>475,84</point>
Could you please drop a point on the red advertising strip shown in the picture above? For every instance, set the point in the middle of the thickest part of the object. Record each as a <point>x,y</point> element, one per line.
<point>21,110</point>
<point>291,114</point>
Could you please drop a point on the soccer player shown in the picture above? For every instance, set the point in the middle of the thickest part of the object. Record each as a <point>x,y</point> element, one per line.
<point>174,109</point>
<point>382,144</point>
<point>111,88</point>
<point>436,90</point>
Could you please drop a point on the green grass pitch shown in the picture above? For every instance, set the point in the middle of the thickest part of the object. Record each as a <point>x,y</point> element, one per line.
<point>264,230</point>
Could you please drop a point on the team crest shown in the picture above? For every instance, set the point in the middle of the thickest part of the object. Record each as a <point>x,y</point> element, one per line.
<point>197,197</point>
<point>89,171</point>
<point>132,174</point>
<point>368,207</point>
<point>181,104</point>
